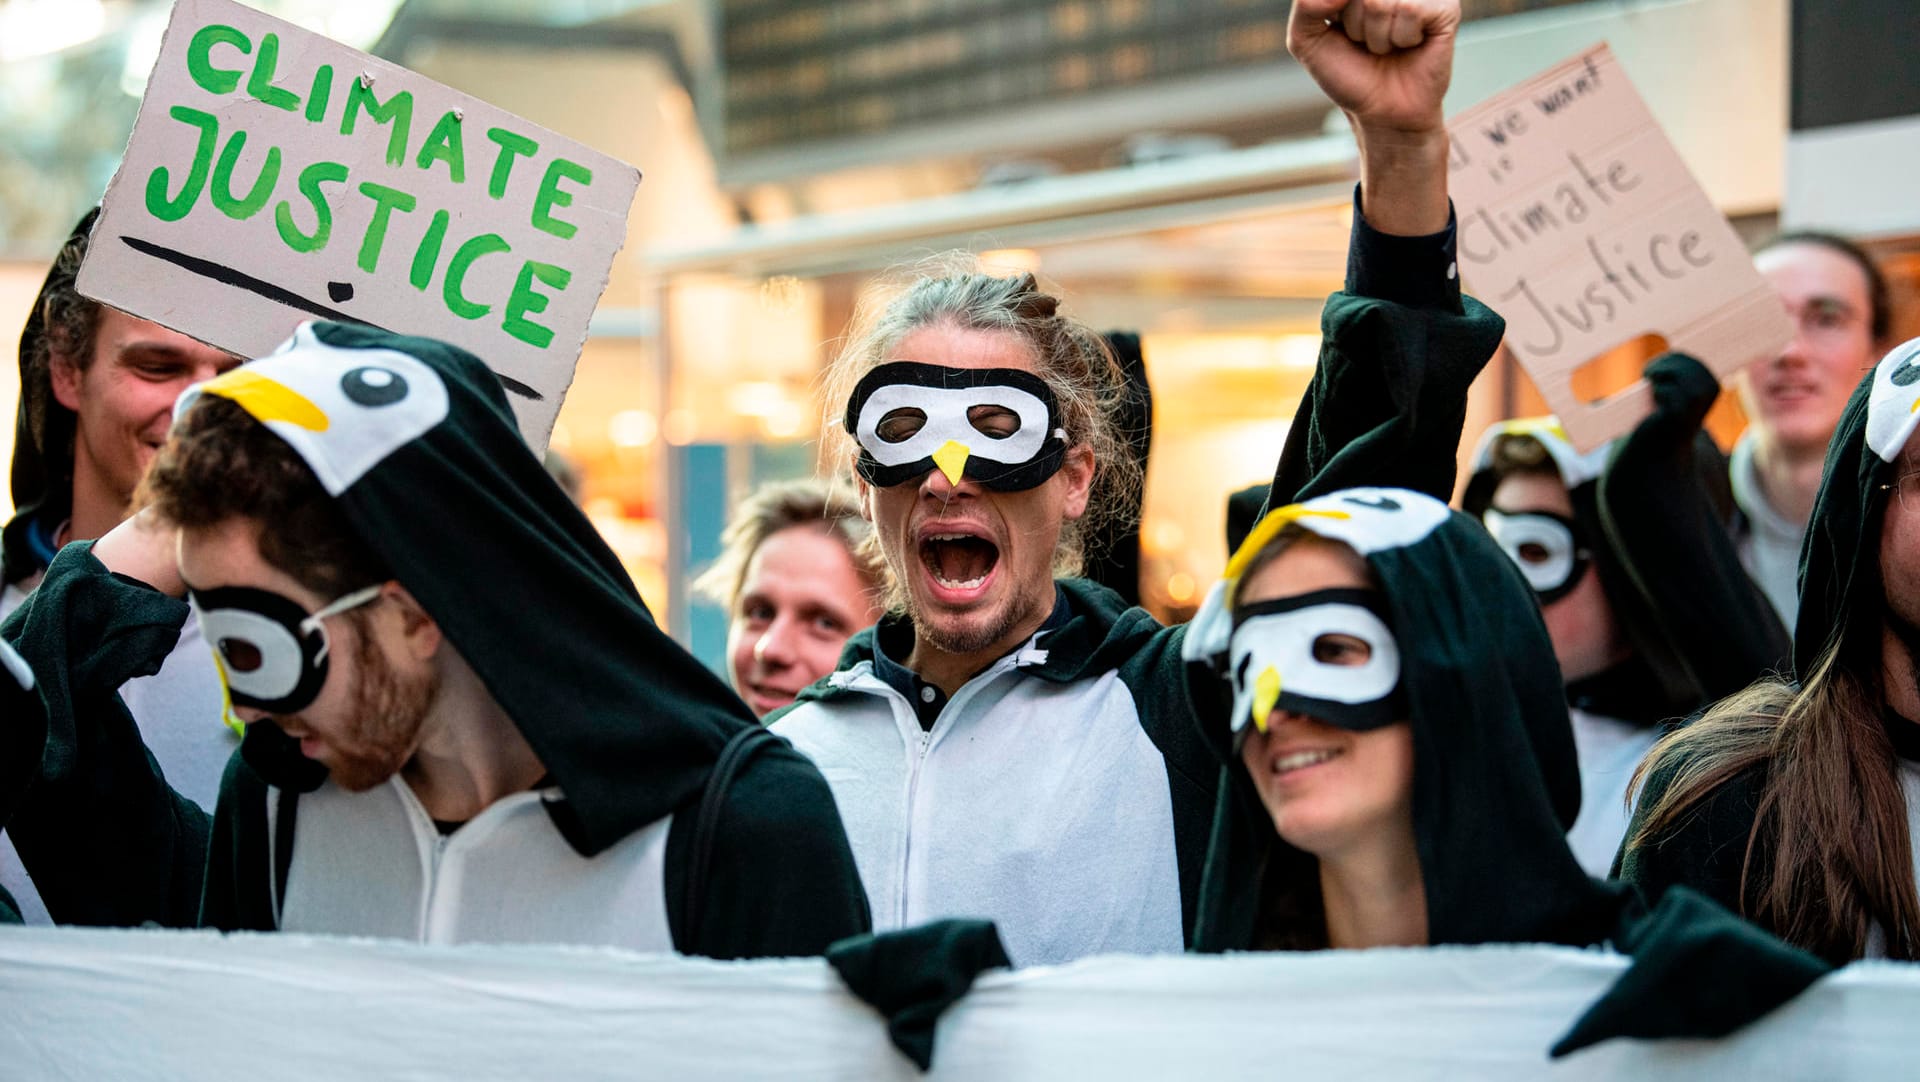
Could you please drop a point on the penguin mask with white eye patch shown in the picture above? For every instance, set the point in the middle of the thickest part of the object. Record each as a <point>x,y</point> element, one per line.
<point>1000,427</point>
<point>342,410</point>
<point>1331,654</point>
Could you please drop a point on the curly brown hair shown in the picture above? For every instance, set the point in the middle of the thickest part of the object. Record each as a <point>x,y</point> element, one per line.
<point>220,464</point>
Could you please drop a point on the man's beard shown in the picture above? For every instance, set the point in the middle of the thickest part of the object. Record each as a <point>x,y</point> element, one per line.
<point>388,710</point>
<point>969,638</point>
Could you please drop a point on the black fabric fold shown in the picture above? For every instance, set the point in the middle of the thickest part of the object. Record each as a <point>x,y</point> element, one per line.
<point>41,474</point>
<point>913,975</point>
<point>105,839</point>
<point>1698,971</point>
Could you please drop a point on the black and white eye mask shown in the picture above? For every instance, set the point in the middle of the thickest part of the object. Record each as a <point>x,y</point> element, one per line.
<point>1290,655</point>
<point>997,426</point>
<point>272,652</point>
<point>1549,549</point>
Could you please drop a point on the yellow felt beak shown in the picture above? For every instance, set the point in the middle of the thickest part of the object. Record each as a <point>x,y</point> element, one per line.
<point>227,713</point>
<point>1266,692</point>
<point>267,399</point>
<point>952,459</point>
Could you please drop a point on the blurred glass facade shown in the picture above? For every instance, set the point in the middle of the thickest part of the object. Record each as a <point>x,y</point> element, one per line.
<point>1161,163</point>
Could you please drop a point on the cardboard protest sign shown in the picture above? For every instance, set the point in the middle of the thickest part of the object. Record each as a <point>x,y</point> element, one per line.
<point>1580,224</point>
<point>275,176</point>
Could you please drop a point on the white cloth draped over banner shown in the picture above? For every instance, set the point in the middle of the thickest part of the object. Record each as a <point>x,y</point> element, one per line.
<point>99,1004</point>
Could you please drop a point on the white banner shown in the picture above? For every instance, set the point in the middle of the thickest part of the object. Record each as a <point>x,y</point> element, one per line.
<point>127,1005</point>
<point>275,176</point>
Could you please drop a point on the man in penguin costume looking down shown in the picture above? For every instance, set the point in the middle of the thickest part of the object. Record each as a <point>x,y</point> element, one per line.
<point>462,722</point>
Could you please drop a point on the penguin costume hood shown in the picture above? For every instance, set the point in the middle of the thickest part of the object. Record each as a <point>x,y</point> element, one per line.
<point>1495,781</point>
<point>1840,560</point>
<point>1649,518</point>
<point>41,475</point>
<point>1651,685</point>
<point>415,441</point>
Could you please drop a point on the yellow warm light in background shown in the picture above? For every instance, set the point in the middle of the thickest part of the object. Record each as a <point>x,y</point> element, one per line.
<point>758,398</point>
<point>1165,534</point>
<point>785,423</point>
<point>1201,353</point>
<point>1180,587</point>
<point>632,428</point>
<point>783,293</point>
<point>1010,261</point>
<point>680,427</point>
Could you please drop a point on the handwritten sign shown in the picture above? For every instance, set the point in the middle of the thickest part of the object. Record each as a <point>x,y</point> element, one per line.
<point>275,176</point>
<point>1581,225</point>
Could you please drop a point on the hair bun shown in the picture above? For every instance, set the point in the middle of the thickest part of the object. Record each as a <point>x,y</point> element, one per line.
<point>1029,302</point>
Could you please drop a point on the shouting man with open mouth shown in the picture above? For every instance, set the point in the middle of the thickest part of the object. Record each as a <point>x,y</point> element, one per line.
<point>1011,742</point>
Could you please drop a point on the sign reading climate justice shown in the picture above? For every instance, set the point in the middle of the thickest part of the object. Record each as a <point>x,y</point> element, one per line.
<point>275,176</point>
<point>1581,225</point>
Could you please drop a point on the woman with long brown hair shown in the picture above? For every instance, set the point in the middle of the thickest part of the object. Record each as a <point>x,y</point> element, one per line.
<point>1793,802</point>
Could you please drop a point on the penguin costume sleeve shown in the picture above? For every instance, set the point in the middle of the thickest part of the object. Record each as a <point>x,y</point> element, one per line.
<point>17,700</point>
<point>1667,533</point>
<point>1646,528</point>
<point>414,440</point>
<point>1841,599</point>
<point>1388,399</point>
<point>1494,783</point>
<point>105,839</point>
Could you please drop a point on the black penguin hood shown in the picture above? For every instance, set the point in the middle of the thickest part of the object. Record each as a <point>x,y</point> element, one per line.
<point>1494,785</point>
<point>1654,684</point>
<point>1840,558</point>
<point>1495,777</point>
<point>415,440</point>
<point>41,475</point>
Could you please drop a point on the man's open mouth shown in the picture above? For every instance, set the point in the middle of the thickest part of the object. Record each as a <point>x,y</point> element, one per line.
<point>959,561</point>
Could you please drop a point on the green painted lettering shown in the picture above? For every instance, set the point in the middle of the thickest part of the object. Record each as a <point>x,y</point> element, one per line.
<point>260,83</point>
<point>510,145</point>
<point>200,57</point>
<point>524,300</point>
<point>385,201</point>
<point>457,303</point>
<point>397,110</point>
<point>425,256</point>
<point>221,190</point>
<point>551,196</point>
<point>318,94</point>
<point>310,180</point>
<point>172,210</point>
<point>446,143</point>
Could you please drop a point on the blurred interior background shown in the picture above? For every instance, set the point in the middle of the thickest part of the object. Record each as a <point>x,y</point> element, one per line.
<point>1162,163</point>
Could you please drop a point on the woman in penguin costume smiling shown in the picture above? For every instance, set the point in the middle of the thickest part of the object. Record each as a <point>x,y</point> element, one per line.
<point>1375,679</point>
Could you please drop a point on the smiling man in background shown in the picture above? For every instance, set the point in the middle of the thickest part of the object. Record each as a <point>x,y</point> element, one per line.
<point>1843,320</point>
<point>97,388</point>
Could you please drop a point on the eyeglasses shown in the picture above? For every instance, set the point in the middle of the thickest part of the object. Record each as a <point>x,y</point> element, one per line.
<point>1903,487</point>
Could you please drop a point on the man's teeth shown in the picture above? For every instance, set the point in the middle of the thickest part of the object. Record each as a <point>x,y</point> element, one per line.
<point>1298,759</point>
<point>949,537</point>
<point>970,584</point>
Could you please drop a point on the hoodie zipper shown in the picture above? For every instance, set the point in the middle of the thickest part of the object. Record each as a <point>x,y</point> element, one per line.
<point>906,849</point>
<point>918,763</point>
